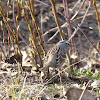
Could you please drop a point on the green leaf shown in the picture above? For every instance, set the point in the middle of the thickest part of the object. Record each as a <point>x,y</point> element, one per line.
<point>29,27</point>
<point>21,2</point>
<point>97,76</point>
<point>14,32</point>
<point>16,18</point>
<point>89,73</point>
<point>69,69</point>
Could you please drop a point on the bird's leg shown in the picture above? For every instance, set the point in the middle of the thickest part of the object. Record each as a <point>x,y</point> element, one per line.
<point>60,76</point>
<point>49,73</point>
<point>70,63</point>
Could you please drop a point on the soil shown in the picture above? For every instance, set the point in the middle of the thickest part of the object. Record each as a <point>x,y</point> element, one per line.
<point>28,83</point>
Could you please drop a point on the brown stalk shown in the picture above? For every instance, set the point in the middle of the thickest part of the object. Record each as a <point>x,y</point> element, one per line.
<point>66,11</point>
<point>9,46</point>
<point>9,39</point>
<point>4,38</point>
<point>17,27</point>
<point>56,19</point>
<point>97,14</point>
<point>67,16</point>
<point>7,22</point>
<point>80,98</point>
<point>7,29</point>
<point>27,20</point>
<point>31,4</point>
<point>7,26</point>
<point>17,18</point>
<point>2,51</point>
<point>37,28</point>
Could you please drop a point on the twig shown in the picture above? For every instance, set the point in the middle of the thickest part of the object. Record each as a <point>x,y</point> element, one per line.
<point>78,10</point>
<point>67,17</point>
<point>69,28</point>
<point>9,38</point>
<point>97,13</point>
<point>84,90</point>
<point>42,25</point>
<point>17,21</point>
<point>14,13</point>
<point>31,4</point>
<point>37,28</point>
<point>8,9</point>
<point>2,51</point>
<point>62,71</point>
<point>76,4</point>
<point>22,90</point>
<point>3,37</point>
<point>79,25</point>
<point>56,19</point>
<point>64,25</point>
<point>27,20</point>
<point>87,38</point>
<point>7,22</point>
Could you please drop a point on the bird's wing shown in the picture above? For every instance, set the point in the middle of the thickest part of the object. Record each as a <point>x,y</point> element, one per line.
<point>50,57</point>
<point>61,56</point>
<point>51,52</point>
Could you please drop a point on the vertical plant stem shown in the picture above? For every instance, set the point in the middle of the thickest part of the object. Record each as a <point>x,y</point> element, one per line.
<point>67,15</point>
<point>39,33</point>
<point>7,26</point>
<point>3,37</point>
<point>2,51</point>
<point>79,37</point>
<point>10,38</point>
<point>27,20</point>
<point>17,18</point>
<point>66,10</point>
<point>8,45</point>
<point>8,9</point>
<point>32,10</point>
<point>7,22</point>
<point>38,30</point>
<point>97,15</point>
<point>34,33</point>
<point>14,13</point>
<point>56,19</point>
<point>17,21</point>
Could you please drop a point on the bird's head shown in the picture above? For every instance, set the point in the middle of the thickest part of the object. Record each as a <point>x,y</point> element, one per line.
<point>63,44</point>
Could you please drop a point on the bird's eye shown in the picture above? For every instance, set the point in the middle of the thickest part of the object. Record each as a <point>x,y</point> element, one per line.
<point>67,43</point>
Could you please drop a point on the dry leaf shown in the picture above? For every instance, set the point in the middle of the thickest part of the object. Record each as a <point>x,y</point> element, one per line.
<point>74,93</point>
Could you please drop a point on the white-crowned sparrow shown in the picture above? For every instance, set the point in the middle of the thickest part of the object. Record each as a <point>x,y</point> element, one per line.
<point>56,55</point>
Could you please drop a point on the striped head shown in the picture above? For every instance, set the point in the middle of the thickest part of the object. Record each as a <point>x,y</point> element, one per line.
<point>63,44</point>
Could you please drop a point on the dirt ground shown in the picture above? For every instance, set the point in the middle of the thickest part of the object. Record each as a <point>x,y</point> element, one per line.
<point>22,81</point>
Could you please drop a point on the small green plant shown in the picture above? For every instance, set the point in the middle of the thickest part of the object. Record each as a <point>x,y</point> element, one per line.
<point>89,73</point>
<point>97,76</point>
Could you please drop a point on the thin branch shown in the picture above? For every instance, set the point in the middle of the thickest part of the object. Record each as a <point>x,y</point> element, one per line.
<point>56,19</point>
<point>79,25</point>
<point>84,90</point>
<point>38,30</point>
